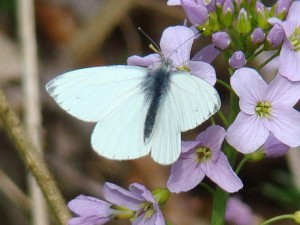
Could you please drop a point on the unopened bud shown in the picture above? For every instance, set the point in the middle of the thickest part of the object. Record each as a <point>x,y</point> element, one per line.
<point>161,195</point>
<point>257,36</point>
<point>243,24</point>
<point>276,36</point>
<point>197,14</point>
<point>282,7</point>
<point>237,60</point>
<point>221,40</point>
<point>227,12</point>
<point>262,15</point>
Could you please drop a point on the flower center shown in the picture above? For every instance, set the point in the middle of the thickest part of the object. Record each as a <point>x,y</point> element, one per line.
<point>295,39</point>
<point>147,208</point>
<point>183,68</point>
<point>203,154</point>
<point>263,109</point>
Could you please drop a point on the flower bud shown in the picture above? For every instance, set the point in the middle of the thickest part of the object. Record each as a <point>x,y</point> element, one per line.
<point>197,14</point>
<point>219,3</point>
<point>227,12</point>
<point>262,15</point>
<point>237,60</point>
<point>281,9</point>
<point>243,24</point>
<point>221,40</point>
<point>257,36</point>
<point>256,156</point>
<point>161,195</point>
<point>276,36</point>
<point>297,216</point>
<point>210,5</point>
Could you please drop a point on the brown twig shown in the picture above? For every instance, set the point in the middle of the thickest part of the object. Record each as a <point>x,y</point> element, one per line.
<point>34,162</point>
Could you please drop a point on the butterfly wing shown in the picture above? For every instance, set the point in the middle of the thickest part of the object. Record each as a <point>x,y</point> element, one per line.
<point>189,102</point>
<point>112,97</point>
<point>91,94</point>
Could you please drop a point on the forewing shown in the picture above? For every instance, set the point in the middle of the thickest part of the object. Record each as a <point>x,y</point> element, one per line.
<point>120,135</point>
<point>91,94</point>
<point>192,99</point>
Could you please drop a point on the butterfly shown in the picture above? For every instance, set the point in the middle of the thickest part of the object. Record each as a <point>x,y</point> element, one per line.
<point>138,110</point>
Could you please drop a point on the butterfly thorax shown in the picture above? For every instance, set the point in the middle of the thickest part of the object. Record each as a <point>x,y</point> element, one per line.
<point>155,87</point>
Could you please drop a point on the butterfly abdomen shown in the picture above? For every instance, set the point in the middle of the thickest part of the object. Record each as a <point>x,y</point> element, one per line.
<point>155,87</point>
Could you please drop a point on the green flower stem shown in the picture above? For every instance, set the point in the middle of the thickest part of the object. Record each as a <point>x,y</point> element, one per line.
<point>268,60</point>
<point>207,187</point>
<point>223,118</point>
<point>225,84</point>
<point>277,218</point>
<point>240,165</point>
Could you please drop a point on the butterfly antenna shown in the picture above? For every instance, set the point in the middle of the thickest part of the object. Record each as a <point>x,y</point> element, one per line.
<point>153,45</point>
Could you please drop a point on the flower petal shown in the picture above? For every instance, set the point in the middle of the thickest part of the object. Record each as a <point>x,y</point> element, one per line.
<point>173,2</point>
<point>285,125</point>
<point>283,91</point>
<point>207,54</point>
<point>185,175</point>
<point>212,138</point>
<point>204,71</point>
<point>289,62</point>
<point>247,133</point>
<point>145,61</point>
<point>176,43</point>
<point>90,206</point>
<point>140,190</point>
<point>188,145</point>
<point>250,87</point>
<point>222,174</point>
<point>120,196</point>
<point>89,220</point>
<point>274,148</point>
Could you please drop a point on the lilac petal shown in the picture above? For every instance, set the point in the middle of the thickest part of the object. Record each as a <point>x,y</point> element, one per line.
<point>238,213</point>
<point>222,174</point>
<point>285,125</point>
<point>207,54</point>
<point>90,206</point>
<point>176,43</point>
<point>120,196</point>
<point>204,71</point>
<point>185,175</point>
<point>283,91</point>
<point>274,148</point>
<point>197,14</point>
<point>212,138</point>
<point>247,133</point>
<point>173,2</point>
<point>250,87</point>
<point>188,145</point>
<point>289,62</point>
<point>156,219</point>
<point>141,191</point>
<point>90,220</point>
<point>294,12</point>
<point>146,61</point>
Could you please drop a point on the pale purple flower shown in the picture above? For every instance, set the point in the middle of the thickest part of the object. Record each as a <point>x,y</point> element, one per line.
<point>289,58</point>
<point>90,211</point>
<point>257,36</point>
<point>176,44</point>
<point>203,157</point>
<point>265,108</point>
<point>221,40</point>
<point>237,60</point>
<point>228,7</point>
<point>138,204</point>
<point>238,213</point>
<point>138,199</point>
<point>274,148</point>
<point>275,36</point>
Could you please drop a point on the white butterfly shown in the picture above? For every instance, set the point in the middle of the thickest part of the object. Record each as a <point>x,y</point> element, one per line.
<point>136,109</point>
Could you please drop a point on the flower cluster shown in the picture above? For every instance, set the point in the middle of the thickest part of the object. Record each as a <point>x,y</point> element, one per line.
<point>265,122</point>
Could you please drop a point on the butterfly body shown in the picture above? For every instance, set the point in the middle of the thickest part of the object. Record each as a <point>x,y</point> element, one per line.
<point>155,86</point>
